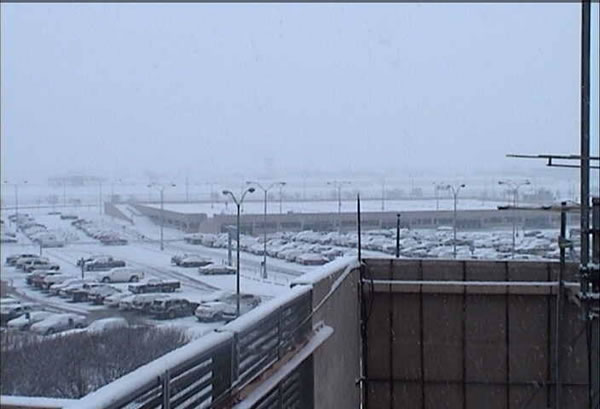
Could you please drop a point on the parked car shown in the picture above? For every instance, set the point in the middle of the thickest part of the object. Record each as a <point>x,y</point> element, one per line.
<point>22,262</point>
<point>50,280</point>
<point>143,302</point>
<point>99,293</point>
<point>82,293</point>
<point>57,323</point>
<point>40,265</point>
<point>225,308</point>
<point>89,259</point>
<point>67,292</point>
<point>103,264</point>
<point>121,274</point>
<point>12,259</point>
<point>26,320</point>
<point>8,312</point>
<point>155,286</point>
<point>104,324</point>
<point>172,307</point>
<point>176,259</point>
<point>216,269</point>
<point>57,287</point>
<point>194,261</point>
<point>113,300</point>
<point>38,276</point>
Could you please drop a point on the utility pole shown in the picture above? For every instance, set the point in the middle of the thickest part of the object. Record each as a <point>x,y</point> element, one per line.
<point>398,235</point>
<point>338,186</point>
<point>16,186</point>
<point>383,195</point>
<point>161,189</point>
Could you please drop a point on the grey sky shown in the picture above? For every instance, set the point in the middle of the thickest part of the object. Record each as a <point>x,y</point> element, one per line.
<point>210,89</point>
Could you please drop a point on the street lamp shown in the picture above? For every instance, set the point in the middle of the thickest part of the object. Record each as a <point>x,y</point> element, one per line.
<point>454,189</point>
<point>16,186</point>
<point>338,186</point>
<point>437,188</point>
<point>161,189</point>
<point>266,190</point>
<point>514,188</point>
<point>238,204</point>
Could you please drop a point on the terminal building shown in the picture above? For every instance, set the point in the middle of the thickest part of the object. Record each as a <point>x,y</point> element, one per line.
<point>253,223</point>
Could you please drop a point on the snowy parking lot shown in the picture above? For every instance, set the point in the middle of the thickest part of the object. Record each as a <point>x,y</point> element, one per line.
<point>141,253</point>
<point>81,235</point>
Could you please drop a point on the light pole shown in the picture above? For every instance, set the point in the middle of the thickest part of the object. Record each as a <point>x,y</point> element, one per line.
<point>437,188</point>
<point>338,186</point>
<point>514,188</point>
<point>161,189</point>
<point>238,204</point>
<point>16,186</point>
<point>282,184</point>
<point>383,195</point>
<point>266,190</point>
<point>454,189</point>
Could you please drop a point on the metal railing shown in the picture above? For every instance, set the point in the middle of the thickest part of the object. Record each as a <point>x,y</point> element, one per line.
<point>208,372</point>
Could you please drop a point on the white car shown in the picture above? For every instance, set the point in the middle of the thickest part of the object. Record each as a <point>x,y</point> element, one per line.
<point>30,318</point>
<point>121,274</point>
<point>104,324</point>
<point>226,308</point>
<point>114,300</point>
<point>55,288</point>
<point>57,323</point>
<point>216,269</point>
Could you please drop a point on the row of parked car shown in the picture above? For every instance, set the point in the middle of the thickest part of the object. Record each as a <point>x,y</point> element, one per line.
<point>93,230</point>
<point>278,246</point>
<point>18,316</point>
<point>38,232</point>
<point>205,265</point>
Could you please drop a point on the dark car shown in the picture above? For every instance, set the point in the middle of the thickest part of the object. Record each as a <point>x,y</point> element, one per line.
<point>172,307</point>
<point>103,264</point>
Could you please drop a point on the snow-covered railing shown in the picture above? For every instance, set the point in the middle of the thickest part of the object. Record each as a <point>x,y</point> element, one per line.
<point>206,372</point>
<point>265,335</point>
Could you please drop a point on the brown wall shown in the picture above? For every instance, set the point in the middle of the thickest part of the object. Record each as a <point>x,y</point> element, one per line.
<point>452,346</point>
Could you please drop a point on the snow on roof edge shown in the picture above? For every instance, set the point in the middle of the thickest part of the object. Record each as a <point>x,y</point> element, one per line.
<point>326,270</point>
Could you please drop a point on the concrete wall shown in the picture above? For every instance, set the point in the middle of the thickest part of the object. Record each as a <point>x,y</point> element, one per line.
<point>456,346</point>
<point>253,223</point>
<point>112,210</point>
<point>337,361</point>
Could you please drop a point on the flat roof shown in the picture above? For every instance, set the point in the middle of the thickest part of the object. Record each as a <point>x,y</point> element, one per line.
<point>325,206</point>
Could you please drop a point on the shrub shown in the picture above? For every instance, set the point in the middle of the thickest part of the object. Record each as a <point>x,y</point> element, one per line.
<point>73,366</point>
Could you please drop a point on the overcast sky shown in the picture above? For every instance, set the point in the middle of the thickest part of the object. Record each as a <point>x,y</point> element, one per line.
<point>211,89</point>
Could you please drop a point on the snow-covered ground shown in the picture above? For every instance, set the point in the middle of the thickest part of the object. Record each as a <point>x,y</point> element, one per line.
<point>143,251</point>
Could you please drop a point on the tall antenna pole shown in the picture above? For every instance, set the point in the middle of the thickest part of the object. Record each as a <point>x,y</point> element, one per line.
<point>585,132</point>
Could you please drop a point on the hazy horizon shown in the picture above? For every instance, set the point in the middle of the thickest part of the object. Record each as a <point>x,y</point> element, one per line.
<point>268,90</point>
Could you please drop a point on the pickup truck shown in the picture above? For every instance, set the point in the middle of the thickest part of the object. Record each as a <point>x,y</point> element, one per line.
<point>103,264</point>
<point>155,286</point>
